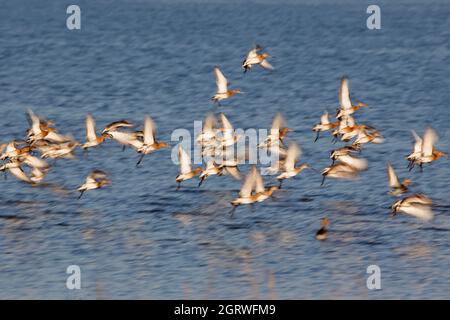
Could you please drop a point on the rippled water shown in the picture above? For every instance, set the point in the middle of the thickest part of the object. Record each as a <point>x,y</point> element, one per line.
<point>140,238</point>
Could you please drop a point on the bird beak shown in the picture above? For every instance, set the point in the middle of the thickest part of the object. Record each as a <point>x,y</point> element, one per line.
<point>313,169</point>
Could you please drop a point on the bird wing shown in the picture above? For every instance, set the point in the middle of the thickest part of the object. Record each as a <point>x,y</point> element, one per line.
<point>116,125</point>
<point>98,174</point>
<point>149,131</point>
<point>227,128</point>
<point>226,125</point>
<point>266,65</point>
<point>293,153</point>
<point>430,137</point>
<point>126,138</point>
<point>210,122</point>
<point>350,121</point>
<point>393,179</point>
<point>420,211</point>
<point>35,122</point>
<point>90,129</point>
<point>233,171</point>
<point>344,94</point>
<point>185,161</point>
<point>277,122</point>
<point>259,184</point>
<point>418,143</point>
<point>221,81</point>
<point>11,147</point>
<point>356,163</point>
<point>210,164</point>
<point>35,162</point>
<point>253,54</point>
<point>37,174</point>
<point>248,184</point>
<point>324,118</point>
<point>19,174</point>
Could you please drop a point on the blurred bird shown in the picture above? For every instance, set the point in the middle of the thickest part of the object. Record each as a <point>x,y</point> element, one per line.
<point>228,137</point>
<point>253,181</point>
<point>91,137</point>
<point>428,154</point>
<point>125,138</point>
<point>113,126</point>
<point>222,87</point>
<point>37,175</point>
<point>32,161</point>
<point>96,180</point>
<point>324,125</point>
<point>345,104</point>
<point>12,151</point>
<point>256,58</point>
<point>339,170</point>
<point>186,171</point>
<point>417,150</point>
<point>211,169</point>
<point>289,168</point>
<point>58,150</point>
<point>208,134</point>
<point>357,164</point>
<point>397,188</point>
<point>277,133</point>
<point>416,205</point>
<point>14,167</point>
<point>369,136</point>
<point>322,233</point>
<point>347,150</point>
<point>149,144</point>
<point>42,130</point>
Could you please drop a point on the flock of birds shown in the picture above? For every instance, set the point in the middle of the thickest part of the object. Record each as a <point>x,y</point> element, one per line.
<point>26,160</point>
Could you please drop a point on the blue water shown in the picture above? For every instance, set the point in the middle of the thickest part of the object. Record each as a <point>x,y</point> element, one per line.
<point>139,238</point>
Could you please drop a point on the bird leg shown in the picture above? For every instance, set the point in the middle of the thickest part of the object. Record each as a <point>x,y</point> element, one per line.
<point>317,136</point>
<point>334,139</point>
<point>140,159</point>
<point>233,210</point>
<point>81,194</point>
<point>323,180</point>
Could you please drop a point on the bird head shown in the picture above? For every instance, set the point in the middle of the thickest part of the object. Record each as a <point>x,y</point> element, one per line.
<point>106,135</point>
<point>284,131</point>
<point>163,145</point>
<point>439,154</point>
<point>362,104</point>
